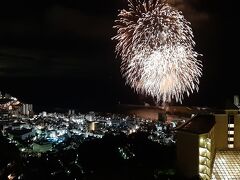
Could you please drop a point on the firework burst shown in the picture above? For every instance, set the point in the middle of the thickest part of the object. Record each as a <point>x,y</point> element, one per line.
<point>155,43</point>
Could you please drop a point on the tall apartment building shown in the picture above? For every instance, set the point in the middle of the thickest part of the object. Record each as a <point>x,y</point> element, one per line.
<point>200,138</point>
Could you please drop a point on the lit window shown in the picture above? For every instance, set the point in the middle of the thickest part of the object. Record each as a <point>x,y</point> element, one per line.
<point>230,146</point>
<point>231,125</point>
<point>230,132</point>
<point>230,139</point>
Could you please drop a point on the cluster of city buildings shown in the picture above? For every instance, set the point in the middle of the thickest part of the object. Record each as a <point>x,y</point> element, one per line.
<point>207,141</point>
<point>12,107</point>
<point>43,132</point>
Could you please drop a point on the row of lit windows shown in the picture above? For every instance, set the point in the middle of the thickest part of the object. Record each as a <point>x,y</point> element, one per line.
<point>230,131</point>
<point>204,158</point>
<point>230,135</point>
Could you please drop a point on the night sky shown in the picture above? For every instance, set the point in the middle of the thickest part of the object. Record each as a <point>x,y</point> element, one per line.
<point>59,53</point>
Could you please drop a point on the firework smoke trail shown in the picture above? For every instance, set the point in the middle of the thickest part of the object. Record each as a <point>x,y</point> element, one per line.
<point>155,43</point>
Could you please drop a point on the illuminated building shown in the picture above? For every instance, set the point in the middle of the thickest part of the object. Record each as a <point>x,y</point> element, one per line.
<point>71,112</point>
<point>42,147</point>
<point>91,126</point>
<point>27,109</point>
<point>208,139</point>
<point>228,129</point>
<point>196,147</point>
<point>227,161</point>
<point>44,114</point>
<point>9,107</point>
<point>236,100</point>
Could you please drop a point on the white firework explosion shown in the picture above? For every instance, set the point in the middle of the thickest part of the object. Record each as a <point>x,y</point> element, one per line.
<point>155,43</point>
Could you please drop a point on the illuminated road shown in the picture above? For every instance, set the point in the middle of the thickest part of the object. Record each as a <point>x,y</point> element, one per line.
<point>226,165</point>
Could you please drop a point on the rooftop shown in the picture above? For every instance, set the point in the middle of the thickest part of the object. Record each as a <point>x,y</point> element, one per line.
<point>199,124</point>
